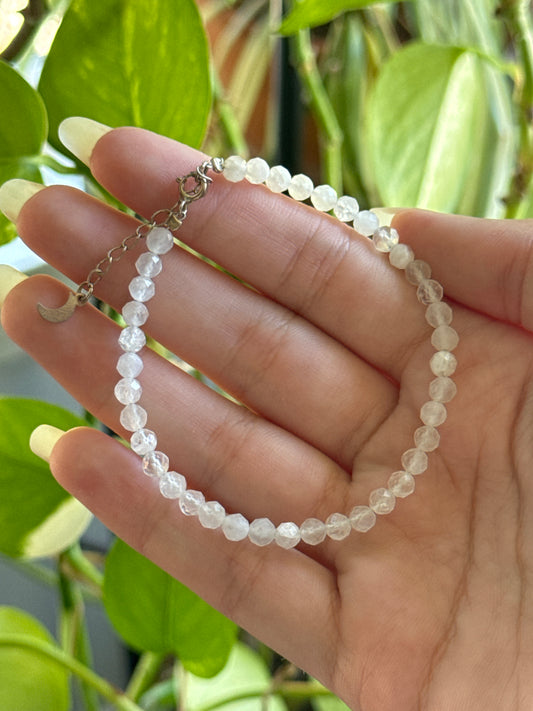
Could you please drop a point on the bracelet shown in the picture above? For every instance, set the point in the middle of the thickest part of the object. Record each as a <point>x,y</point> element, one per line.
<point>158,234</point>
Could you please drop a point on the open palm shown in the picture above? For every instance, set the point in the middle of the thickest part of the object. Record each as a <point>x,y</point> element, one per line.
<point>329,351</point>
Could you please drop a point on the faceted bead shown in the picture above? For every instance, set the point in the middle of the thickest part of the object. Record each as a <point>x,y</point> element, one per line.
<point>401,484</point>
<point>191,501</point>
<point>132,339</point>
<point>401,255</point>
<point>382,501</point>
<point>235,527</point>
<point>149,265</point>
<point>338,526</point>
<point>324,198</point>
<point>439,313</point>
<point>287,535</point>
<point>143,441</point>
<point>415,461</point>
<point>444,338</point>
<point>141,288</point>
<point>433,413</point>
<point>427,438</point>
<point>212,514</point>
<point>429,291</point>
<point>155,463</point>
<point>443,363</point>
<point>262,531</point>
<point>385,238</point>
<point>362,518</point>
<point>133,417</point>
<point>128,390</point>
<point>417,271</point>
<point>172,485</point>
<point>278,179</point>
<point>313,531</point>
<point>442,389</point>
<point>130,365</point>
<point>346,208</point>
<point>234,169</point>
<point>366,223</point>
<point>300,187</point>
<point>257,171</point>
<point>135,313</point>
<point>159,240</point>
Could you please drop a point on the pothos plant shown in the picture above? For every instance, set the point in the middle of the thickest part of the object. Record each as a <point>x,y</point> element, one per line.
<point>406,104</point>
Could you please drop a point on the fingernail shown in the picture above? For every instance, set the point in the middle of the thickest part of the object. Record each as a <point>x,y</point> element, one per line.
<point>80,135</point>
<point>43,440</point>
<point>9,278</point>
<point>14,194</point>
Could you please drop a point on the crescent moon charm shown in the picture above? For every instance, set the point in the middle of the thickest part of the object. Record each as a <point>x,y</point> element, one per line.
<point>61,313</point>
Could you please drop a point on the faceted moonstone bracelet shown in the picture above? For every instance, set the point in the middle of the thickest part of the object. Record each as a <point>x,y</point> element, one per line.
<point>414,461</point>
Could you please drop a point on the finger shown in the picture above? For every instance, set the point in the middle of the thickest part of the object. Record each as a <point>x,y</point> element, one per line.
<point>255,349</point>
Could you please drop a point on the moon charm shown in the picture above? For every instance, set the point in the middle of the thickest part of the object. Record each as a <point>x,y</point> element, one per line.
<point>61,313</point>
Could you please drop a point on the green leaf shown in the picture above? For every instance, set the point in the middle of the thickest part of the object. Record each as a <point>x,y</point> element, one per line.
<point>423,124</point>
<point>310,13</point>
<point>37,517</point>
<point>162,615</point>
<point>138,63</point>
<point>27,681</point>
<point>326,703</point>
<point>23,129</point>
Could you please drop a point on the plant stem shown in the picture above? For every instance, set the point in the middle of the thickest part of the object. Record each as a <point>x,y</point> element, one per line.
<point>162,694</point>
<point>321,107</point>
<point>57,655</point>
<point>228,120</point>
<point>289,690</point>
<point>146,672</point>
<point>81,564</point>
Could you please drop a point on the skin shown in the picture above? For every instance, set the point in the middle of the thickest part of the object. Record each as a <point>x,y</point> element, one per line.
<point>329,353</point>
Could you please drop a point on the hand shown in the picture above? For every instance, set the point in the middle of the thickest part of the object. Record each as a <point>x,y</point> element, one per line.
<point>431,609</point>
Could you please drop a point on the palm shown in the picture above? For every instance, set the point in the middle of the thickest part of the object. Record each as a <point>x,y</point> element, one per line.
<point>424,611</point>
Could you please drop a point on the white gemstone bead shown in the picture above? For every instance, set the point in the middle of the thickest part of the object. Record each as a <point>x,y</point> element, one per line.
<point>444,338</point>
<point>133,417</point>
<point>191,501</point>
<point>128,390</point>
<point>439,313</point>
<point>415,461</point>
<point>338,526</point>
<point>362,518</point>
<point>382,501</point>
<point>211,514</point>
<point>172,485</point>
<point>235,527</point>
<point>130,365</point>
<point>442,389</point>
<point>287,535</point>
<point>143,441</point>
<point>401,255</point>
<point>443,363</point>
<point>366,223</point>
<point>135,313</point>
<point>141,288</point>
<point>257,171</point>
<point>324,198</point>
<point>155,463</point>
<point>427,438</point>
<point>429,291</point>
<point>346,208</point>
<point>159,240</point>
<point>132,339</point>
<point>313,531</point>
<point>300,187</point>
<point>234,169</point>
<point>417,271</point>
<point>278,179</point>
<point>401,484</point>
<point>149,265</point>
<point>433,413</point>
<point>385,238</point>
<point>262,531</point>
